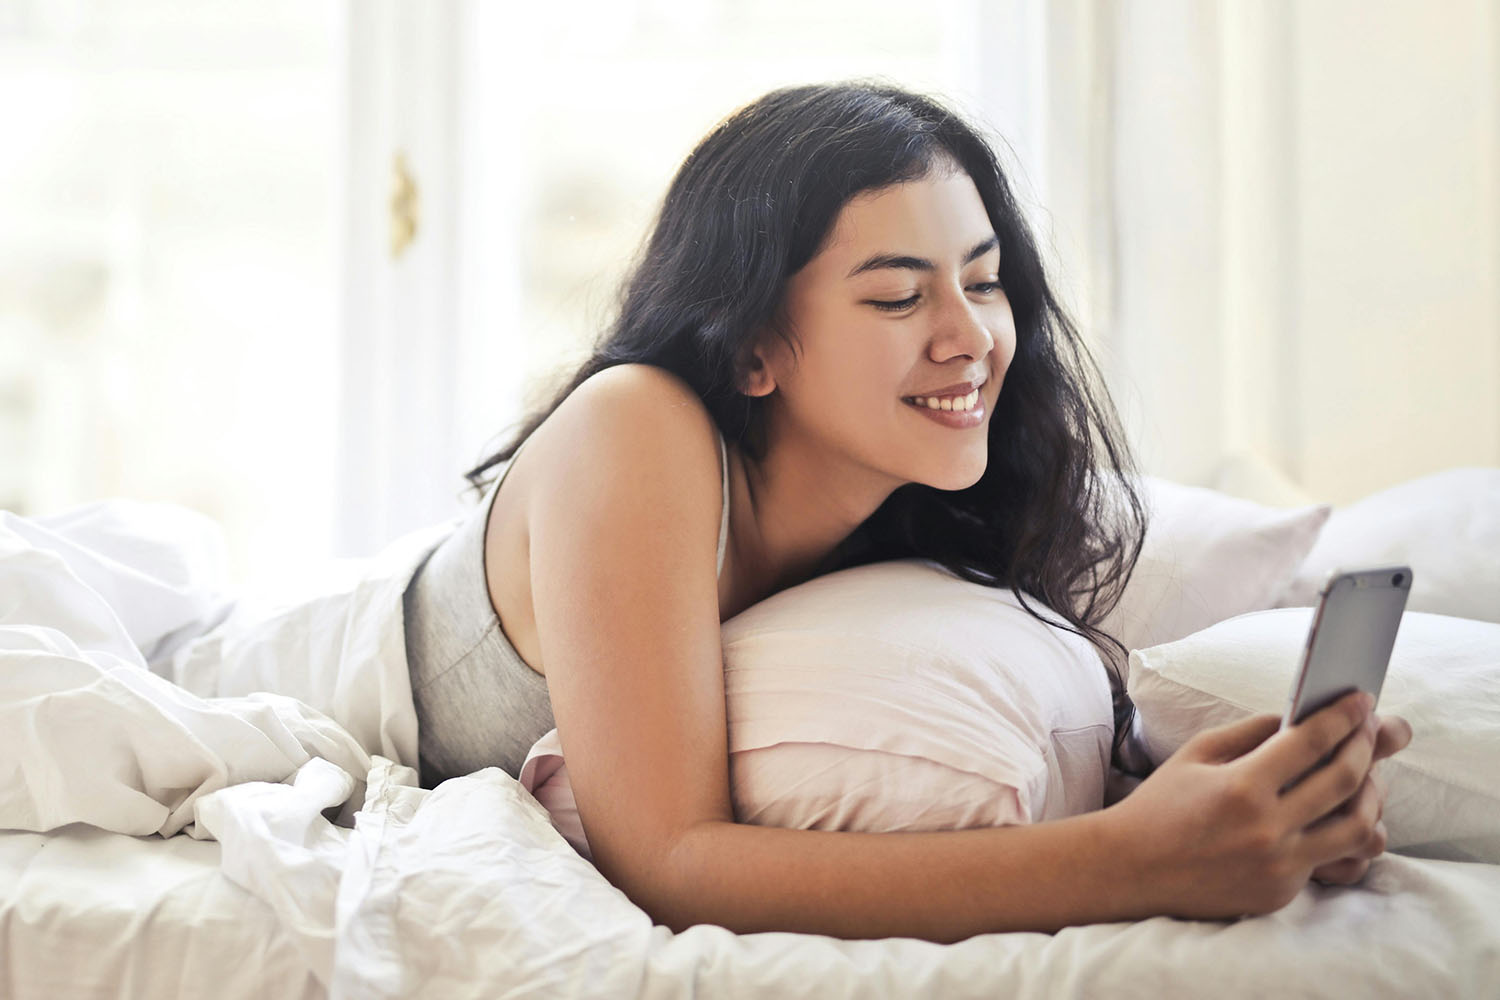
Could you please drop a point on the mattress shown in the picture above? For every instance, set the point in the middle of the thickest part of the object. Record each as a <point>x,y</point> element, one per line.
<point>89,913</point>
<point>470,893</point>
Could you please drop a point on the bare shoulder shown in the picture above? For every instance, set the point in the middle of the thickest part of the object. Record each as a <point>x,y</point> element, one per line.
<point>642,393</point>
<point>634,420</point>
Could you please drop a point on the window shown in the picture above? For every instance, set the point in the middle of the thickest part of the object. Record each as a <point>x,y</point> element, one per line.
<point>167,270</point>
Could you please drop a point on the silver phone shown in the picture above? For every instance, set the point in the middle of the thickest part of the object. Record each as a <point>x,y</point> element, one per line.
<point>1349,645</point>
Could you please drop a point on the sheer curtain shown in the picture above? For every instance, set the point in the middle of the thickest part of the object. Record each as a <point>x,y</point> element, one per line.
<point>1282,221</point>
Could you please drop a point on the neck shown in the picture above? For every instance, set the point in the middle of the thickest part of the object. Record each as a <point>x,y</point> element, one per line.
<point>791,509</point>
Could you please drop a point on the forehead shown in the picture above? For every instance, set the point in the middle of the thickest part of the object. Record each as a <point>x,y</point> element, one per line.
<point>936,216</point>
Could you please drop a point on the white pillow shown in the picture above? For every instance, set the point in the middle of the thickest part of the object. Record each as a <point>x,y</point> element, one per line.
<point>896,696</point>
<point>1446,527</point>
<point>1207,557</point>
<point>1442,799</point>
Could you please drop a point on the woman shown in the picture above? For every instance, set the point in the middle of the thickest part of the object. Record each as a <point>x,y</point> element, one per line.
<point>838,346</point>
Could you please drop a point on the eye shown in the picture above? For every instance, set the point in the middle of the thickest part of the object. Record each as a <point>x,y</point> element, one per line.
<point>985,287</point>
<point>899,306</point>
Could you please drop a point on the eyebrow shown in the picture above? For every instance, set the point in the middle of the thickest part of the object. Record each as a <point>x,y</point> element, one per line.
<point>896,260</point>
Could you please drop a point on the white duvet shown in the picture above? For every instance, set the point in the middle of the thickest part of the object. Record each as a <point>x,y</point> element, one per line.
<point>132,698</point>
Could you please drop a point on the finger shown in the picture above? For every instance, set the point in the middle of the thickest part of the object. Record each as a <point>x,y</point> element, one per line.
<point>1393,736</point>
<point>1374,847</point>
<point>1293,752</point>
<point>1345,871</point>
<point>1367,852</point>
<point>1378,780</point>
<point>1340,872</point>
<point>1345,832</point>
<point>1333,784</point>
<point>1231,741</point>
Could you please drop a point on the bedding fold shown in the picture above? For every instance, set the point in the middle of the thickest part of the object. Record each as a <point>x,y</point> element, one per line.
<point>104,606</point>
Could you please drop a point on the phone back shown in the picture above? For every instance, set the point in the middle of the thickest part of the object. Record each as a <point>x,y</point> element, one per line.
<point>1349,644</point>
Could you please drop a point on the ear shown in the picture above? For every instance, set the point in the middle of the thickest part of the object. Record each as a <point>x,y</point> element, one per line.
<point>757,379</point>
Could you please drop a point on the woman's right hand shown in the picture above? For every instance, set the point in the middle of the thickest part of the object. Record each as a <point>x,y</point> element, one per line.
<point>1236,821</point>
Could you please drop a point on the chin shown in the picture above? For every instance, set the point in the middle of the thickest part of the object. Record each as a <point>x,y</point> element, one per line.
<point>959,475</point>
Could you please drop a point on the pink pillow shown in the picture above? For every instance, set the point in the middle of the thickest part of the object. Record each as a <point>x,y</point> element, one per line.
<point>896,697</point>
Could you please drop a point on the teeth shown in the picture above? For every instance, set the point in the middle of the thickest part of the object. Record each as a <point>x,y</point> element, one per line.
<point>948,402</point>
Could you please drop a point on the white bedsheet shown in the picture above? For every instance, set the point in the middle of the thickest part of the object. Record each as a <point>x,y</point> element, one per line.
<point>88,913</point>
<point>467,890</point>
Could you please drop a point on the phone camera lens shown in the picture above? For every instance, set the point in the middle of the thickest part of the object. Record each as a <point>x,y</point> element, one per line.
<point>1396,580</point>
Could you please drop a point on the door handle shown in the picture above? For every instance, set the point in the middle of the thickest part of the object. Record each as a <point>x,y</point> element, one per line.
<point>405,206</point>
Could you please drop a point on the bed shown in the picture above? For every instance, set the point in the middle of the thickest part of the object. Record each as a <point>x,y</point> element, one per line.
<point>204,794</point>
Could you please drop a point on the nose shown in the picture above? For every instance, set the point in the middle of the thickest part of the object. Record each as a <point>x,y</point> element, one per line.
<point>958,332</point>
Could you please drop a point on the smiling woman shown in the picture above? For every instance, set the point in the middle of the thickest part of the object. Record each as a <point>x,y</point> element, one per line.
<point>838,346</point>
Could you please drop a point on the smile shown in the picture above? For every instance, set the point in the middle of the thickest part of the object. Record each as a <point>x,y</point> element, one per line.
<point>959,412</point>
<point>965,402</point>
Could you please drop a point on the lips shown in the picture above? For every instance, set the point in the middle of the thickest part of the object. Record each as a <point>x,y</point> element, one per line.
<point>956,389</point>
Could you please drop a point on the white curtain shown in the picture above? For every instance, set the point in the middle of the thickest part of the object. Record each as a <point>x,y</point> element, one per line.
<point>1278,222</point>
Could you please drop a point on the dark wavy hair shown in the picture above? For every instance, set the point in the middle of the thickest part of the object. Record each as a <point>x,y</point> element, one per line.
<point>1056,517</point>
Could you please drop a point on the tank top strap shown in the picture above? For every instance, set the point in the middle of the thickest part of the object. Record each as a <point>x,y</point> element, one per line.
<point>724,517</point>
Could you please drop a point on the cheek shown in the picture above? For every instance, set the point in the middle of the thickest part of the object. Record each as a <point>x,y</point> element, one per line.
<point>852,389</point>
<point>852,363</point>
<point>1003,330</point>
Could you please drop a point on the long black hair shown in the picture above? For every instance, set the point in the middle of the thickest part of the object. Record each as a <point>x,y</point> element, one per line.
<point>1055,516</point>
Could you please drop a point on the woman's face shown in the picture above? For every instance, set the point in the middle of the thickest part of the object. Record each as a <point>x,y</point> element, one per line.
<point>904,334</point>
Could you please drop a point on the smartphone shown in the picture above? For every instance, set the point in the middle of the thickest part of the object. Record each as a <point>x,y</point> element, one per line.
<point>1349,644</point>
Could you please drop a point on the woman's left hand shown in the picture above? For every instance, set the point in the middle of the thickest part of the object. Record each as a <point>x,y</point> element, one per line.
<point>1393,734</point>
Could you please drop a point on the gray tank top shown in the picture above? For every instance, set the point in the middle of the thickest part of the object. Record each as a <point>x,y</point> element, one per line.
<point>478,703</point>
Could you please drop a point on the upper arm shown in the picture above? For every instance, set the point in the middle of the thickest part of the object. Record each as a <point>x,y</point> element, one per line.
<point>623,529</point>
